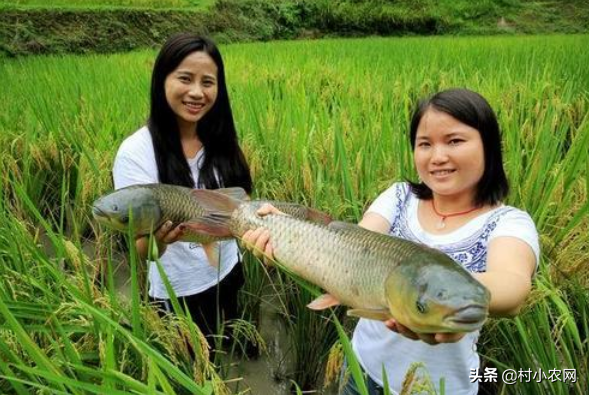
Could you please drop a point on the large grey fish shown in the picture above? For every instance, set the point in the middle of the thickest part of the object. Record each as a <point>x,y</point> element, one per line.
<point>148,206</point>
<point>377,275</point>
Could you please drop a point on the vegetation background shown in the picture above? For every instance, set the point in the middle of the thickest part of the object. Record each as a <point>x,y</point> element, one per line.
<point>90,26</point>
<point>317,119</point>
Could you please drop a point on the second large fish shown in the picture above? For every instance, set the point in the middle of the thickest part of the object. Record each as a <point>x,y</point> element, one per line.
<point>145,207</point>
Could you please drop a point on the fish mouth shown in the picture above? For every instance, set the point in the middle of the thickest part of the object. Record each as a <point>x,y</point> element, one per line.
<point>97,213</point>
<point>472,316</point>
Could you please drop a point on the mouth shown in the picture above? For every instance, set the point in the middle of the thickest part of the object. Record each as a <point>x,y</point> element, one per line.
<point>97,213</point>
<point>469,316</point>
<point>442,172</point>
<point>193,107</point>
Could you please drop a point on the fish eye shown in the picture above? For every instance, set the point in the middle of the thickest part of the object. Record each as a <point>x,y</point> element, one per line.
<point>442,294</point>
<point>124,219</point>
<point>115,207</point>
<point>421,308</point>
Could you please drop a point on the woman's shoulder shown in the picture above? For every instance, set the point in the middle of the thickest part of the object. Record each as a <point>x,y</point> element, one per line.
<point>390,201</point>
<point>137,143</point>
<point>509,215</point>
<point>398,189</point>
<point>511,221</point>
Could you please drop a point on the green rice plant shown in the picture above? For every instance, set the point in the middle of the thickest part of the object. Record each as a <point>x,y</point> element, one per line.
<point>67,328</point>
<point>323,123</point>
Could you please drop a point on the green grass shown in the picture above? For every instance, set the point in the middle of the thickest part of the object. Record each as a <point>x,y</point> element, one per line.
<point>321,122</point>
<point>97,4</point>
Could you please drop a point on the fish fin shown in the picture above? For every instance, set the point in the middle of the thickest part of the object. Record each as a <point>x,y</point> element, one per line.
<point>212,252</point>
<point>208,227</point>
<point>323,302</point>
<point>218,208</point>
<point>235,192</point>
<point>340,225</point>
<point>371,314</point>
<point>308,213</point>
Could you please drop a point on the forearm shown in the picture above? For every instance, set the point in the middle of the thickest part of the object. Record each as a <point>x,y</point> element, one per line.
<point>508,292</point>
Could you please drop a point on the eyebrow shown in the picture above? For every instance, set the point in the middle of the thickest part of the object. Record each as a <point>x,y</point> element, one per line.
<point>457,134</point>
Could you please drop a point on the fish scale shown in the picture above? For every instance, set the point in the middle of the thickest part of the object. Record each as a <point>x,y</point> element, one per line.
<point>322,260</point>
<point>378,276</point>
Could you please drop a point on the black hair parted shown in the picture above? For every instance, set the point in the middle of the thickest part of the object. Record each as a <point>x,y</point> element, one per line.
<point>473,110</point>
<point>224,164</point>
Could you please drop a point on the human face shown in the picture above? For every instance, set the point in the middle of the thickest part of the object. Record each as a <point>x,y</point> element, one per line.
<point>191,89</point>
<point>448,155</point>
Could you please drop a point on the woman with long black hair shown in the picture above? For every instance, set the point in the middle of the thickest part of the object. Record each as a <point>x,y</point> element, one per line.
<point>189,140</point>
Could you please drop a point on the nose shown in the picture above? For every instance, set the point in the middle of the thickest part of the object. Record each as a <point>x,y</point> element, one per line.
<point>196,91</point>
<point>439,154</point>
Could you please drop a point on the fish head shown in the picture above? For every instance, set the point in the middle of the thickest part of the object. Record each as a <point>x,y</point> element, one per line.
<point>430,293</point>
<point>135,204</point>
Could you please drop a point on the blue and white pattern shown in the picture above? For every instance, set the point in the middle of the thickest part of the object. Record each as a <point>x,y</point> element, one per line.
<point>470,252</point>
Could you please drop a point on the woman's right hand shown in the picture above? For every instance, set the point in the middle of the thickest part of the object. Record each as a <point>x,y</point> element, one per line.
<point>430,338</point>
<point>164,235</point>
<point>258,240</point>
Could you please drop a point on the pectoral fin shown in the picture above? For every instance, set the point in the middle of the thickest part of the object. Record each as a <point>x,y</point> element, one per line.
<point>323,302</point>
<point>212,252</point>
<point>371,314</point>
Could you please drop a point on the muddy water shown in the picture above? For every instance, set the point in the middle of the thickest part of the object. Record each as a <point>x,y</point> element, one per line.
<point>268,374</point>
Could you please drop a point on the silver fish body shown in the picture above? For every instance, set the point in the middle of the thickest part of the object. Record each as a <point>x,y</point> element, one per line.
<point>148,206</point>
<point>377,275</point>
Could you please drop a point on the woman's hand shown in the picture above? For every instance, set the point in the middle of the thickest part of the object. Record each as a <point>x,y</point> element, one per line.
<point>164,235</point>
<point>429,338</point>
<point>167,234</point>
<point>258,240</point>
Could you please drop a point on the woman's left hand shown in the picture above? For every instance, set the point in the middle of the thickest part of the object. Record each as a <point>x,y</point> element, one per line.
<point>429,338</point>
<point>258,240</point>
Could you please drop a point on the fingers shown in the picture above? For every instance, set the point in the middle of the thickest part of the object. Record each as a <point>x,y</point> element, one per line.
<point>429,338</point>
<point>266,209</point>
<point>167,234</point>
<point>449,337</point>
<point>258,241</point>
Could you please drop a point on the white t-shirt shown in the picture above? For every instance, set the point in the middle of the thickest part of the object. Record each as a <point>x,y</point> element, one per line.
<point>185,264</point>
<point>376,346</point>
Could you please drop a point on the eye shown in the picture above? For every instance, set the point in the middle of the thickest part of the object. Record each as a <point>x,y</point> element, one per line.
<point>442,294</point>
<point>421,307</point>
<point>423,144</point>
<point>184,78</point>
<point>124,219</point>
<point>455,141</point>
<point>114,207</point>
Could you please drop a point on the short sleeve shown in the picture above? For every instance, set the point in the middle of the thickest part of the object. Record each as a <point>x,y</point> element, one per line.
<point>389,203</point>
<point>135,161</point>
<point>128,171</point>
<point>517,223</point>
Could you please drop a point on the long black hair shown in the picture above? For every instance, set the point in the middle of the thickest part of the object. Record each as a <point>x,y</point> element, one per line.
<point>224,163</point>
<point>473,110</point>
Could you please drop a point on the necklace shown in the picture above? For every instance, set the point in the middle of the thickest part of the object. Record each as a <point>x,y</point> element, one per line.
<point>442,223</point>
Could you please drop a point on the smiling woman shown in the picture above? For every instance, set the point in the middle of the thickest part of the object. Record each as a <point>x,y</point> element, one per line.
<point>457,154</point>
<point>190,140</point>
<point>191,91</point>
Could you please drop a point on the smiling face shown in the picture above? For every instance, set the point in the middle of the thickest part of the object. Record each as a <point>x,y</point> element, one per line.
<point>191,89</point>
<point>448,155</point>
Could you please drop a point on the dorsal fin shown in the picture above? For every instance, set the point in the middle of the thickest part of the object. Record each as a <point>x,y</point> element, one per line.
<point>235,192</point>
<point>345,226</point>
<point>303,212</point>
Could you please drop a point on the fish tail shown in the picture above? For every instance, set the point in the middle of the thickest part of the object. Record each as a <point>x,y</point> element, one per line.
<point>218,207</point>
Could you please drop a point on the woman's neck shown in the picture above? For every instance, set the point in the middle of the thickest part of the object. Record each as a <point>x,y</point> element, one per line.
<point>191,144</point>
<point>446,204</point>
